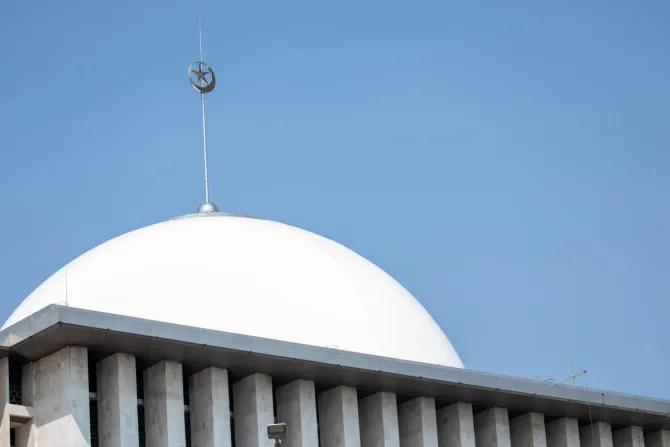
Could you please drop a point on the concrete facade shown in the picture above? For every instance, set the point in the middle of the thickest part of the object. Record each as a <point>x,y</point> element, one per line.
<point>417,423</point>
<point>630,436</point>
<point>528,430</point>
<point>338,417</point>
<point>164,422</point>
<point>210,408</point>
<point>296,407</point>
<point>455,426</point>
<point>117,401</point>
<point>563,432</point>
<point>660,438</point>
<point>492,428</point>
<point>4,401</point>
<point>378,415</point>
<point>55,399</point>
<point>62,399</point>
<point>26,434</point>
<point>253,408</point>
<point>598,434</point>
<point>55,412</point>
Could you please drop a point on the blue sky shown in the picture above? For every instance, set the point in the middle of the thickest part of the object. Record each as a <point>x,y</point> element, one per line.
<point>508,162</point>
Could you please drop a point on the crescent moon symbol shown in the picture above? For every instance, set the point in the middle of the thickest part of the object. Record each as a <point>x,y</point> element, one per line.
<point>209,86</point>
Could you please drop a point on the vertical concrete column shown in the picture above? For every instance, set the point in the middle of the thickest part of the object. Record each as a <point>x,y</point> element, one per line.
<point>164,423</point>
<point>26,435</point>
<point>563,432</point>
<point>296,406</point>
<point>4,401</point>
<point>253,408</point>
<point>598,434</point>
<point>210,408</point>
<point>628,437</point>
<point>338,418</point>
<point>455,426</point>
<point>378,416</point>
<point>62,405</point>
<point>659,438</point>
<point>528,430</point>
<point>117,401</point>
<point>417,422</point>
<point>492,428</point>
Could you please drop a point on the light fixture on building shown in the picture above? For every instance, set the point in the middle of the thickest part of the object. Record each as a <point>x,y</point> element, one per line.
<point>277,432</point>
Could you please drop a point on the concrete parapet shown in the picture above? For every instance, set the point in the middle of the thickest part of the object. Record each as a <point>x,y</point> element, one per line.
<point>117,401</point>
<point>598,434</point>
<point>62,410</point>
<point>296,407</point>
<point>210,408</point>
<point>455,426</point>
<point>528,430</point>
<point>164,405</point>
<point>417,421</point>
<point>492,428</point>
<point>630,436</point>
<point>338,418</point>
<point>660,438</point>
<point>253,409</point>
<point>378,415</point>
<point>563,432</point>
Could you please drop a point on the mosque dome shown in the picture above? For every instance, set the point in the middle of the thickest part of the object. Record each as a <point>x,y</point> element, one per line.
<point>253,277</point>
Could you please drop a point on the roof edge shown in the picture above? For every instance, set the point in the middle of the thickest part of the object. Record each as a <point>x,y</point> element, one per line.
<point>350,364</point>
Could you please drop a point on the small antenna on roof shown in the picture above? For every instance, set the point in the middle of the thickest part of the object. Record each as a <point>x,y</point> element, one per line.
<point>203,80</point>
<point>573,376</point>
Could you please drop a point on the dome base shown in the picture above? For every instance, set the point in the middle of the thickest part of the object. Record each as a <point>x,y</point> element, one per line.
<point>208,207</point>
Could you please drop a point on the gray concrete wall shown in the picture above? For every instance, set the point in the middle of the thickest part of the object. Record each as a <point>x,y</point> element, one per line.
<point>62,399</point>
<point>28,384</point>
<point>492,428</point>
<point>57,323</point>
<point>455,426</point>
<point>528,430</point>
<point>210,408</point>
<point>659,438</point>
<point>253,410</point>
<point>164,422</point>
<point>296,407</point>
<point>598,434</point>
<point>563,432</point>
<point>378,415</point>
<point>417,423</point>
<point>338,418</point>
<point>117,401</point>
<point>628,437</point>
<point>26,435</point>
<point>4,401</point>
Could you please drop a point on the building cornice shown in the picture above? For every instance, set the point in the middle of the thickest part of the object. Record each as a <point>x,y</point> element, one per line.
<point>57,326</point>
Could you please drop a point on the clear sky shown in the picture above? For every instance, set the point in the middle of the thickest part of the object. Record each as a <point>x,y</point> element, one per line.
<point>508,162</point>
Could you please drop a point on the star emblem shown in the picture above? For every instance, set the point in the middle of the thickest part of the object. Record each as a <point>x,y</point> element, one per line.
<point>200,74</point>
<point>201,77</point>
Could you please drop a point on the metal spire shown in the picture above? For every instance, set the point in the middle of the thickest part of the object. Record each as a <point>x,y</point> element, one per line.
<point>200,34</point>
<point>203,80</point>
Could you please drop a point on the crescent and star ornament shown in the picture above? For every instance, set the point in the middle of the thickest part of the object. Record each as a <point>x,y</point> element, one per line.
<point>201,77</point>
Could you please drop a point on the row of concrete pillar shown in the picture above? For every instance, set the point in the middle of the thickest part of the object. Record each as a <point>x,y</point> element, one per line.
<point>56,387</point>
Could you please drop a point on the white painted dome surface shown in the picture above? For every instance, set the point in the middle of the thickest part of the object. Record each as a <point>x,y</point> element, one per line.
<point>252,277</point>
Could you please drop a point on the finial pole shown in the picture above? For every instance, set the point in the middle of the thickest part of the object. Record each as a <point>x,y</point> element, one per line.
<point>202,107</point>
<point>200,34</point>
<point>204,145</point>
<point>203,81</point>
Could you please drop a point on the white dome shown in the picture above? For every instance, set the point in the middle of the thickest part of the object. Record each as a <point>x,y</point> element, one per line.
<point>252,277</point>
